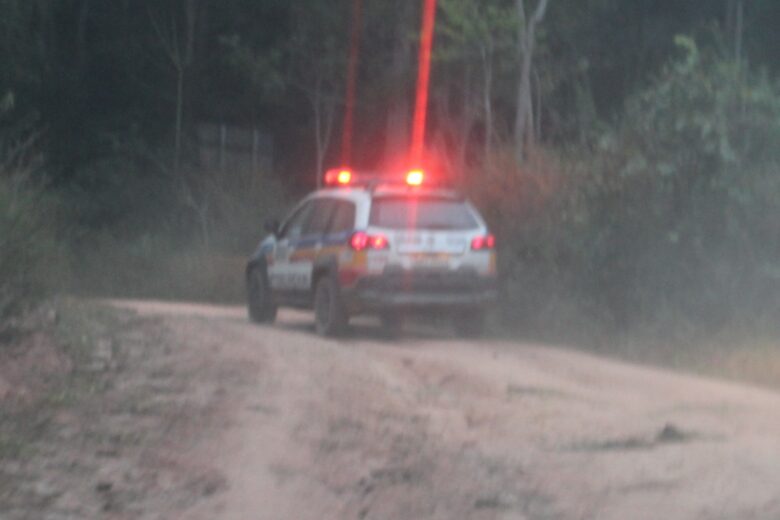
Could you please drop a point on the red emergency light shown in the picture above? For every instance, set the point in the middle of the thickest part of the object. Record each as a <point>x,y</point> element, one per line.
<point>345,177</point>
<point>415,178</point>
<point>338,177</point>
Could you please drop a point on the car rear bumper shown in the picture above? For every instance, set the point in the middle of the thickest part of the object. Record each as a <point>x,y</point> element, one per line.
<point>421,290</point>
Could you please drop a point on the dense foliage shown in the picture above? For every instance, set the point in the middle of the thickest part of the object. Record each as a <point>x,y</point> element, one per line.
<point>668,218</point>
<point>624,151</point>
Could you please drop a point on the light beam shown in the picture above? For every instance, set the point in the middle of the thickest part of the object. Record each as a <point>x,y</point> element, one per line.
<point>423,82</point>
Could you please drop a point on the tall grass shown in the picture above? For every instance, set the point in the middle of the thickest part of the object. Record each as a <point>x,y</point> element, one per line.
<point>32,259</point>
<point>197,249</point>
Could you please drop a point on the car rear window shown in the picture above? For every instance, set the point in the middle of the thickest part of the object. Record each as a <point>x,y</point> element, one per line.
<point>421,213</point>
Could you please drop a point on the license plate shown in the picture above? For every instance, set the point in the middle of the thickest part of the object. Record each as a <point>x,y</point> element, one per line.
<point>439,260</point>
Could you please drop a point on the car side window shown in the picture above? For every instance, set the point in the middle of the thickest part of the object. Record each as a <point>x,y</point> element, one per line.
<point>319,217</point>
<point>344,218</point>
<point>293,226</point>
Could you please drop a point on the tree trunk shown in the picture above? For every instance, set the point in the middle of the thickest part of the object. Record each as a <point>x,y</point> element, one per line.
<point>530,135</point>
<point>524,127</point>
<point>318,148</point>
<point>730,11</point>
<point>181,60</point>
<point>461,123</point>
<point>538,110</point>
<point>523,108</point>
<point>179,121</point>
<point>324,114</point>
<point>81,35</point>
<point>203,219</point>
<point>487,100</point>
<point>351,89</point>
<point>738,27</point>
<point>191,18</point>
<point>466,124</point>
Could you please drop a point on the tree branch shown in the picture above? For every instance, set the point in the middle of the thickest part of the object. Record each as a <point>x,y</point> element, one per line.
<point>541,8</point>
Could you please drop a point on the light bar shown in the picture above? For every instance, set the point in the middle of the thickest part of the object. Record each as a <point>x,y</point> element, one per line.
<point>338,177</point>
<point>415,178</point>
<point>345,177</point>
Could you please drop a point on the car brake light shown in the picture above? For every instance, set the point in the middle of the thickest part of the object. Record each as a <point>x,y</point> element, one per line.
<point>338,177</point>
<point>378,242</point>
<point>359,241</point>
<point>362,240</point>
<point>415,178</point>
<point>483,242</point>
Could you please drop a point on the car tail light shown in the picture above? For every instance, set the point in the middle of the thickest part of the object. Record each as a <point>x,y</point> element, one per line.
<point>483,242</point>
<point>362,240</point>
<point>378,242</point>
<point>359,241</point>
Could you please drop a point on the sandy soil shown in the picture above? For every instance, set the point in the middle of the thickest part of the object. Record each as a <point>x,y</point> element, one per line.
<point>438,428</point>
<point>190,412</point>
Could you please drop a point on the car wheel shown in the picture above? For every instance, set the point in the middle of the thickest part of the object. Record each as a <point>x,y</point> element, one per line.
<point>392,324</point>
<point>469,324</point>
<point>330,316</point>
<point>260,304</point>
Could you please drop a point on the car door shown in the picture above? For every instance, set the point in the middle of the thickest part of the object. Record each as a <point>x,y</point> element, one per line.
<point>305,248</point>
<point>281,274</point>
<point>297,249</point>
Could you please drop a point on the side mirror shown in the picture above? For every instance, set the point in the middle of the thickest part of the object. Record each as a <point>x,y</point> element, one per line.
<point>272,226</point>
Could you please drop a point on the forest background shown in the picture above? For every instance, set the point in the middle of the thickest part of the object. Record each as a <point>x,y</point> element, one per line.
<point>625,152</point>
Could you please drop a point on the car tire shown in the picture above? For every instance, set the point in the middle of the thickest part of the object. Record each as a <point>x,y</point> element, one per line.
<point>392,324</point>
<point>260,304</point>
<point>469,324</point>
<point>330,316</point>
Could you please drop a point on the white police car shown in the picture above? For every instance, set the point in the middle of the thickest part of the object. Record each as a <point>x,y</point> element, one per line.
<point>373,245</point>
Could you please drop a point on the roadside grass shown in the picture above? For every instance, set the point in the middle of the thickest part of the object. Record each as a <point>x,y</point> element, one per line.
<point>752,358</point>
<point>77,328</point>
<point>189,274</point>
<point>755,361</point>
<point>49,362</point>
<point>93,391</point>
<point>81,324</point>
<point>13,445</point>
<point>746,353</point>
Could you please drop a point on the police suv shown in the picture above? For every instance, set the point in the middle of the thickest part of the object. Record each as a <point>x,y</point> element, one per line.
<point>375,245</point>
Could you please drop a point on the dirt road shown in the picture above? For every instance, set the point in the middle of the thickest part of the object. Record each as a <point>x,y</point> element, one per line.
<point>431,427</point>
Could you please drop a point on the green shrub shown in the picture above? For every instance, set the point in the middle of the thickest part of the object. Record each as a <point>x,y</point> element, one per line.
<point>688,186</point>
<point>542,216</point>
<point>666,225</point>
